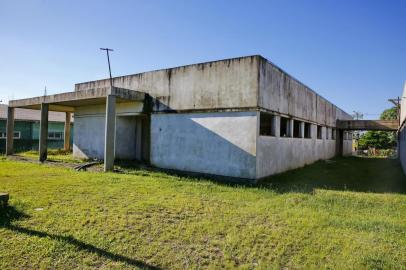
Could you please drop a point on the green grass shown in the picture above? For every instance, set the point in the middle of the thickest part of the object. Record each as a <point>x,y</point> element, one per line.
<point>146,219</point>
<point>58,155</point>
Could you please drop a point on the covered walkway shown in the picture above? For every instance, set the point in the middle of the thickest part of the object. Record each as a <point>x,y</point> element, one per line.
<point>67,102</point>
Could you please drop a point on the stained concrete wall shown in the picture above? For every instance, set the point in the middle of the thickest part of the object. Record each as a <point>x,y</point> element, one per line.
<point>222,143</point>
<point>402,131</point>
<point>277,154</point>
<point>227,143</point>
<point>89,130</point>
<point>231,83</point>
<point>280,92</point>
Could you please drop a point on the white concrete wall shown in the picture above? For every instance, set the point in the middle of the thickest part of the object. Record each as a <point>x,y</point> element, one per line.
<point>403,106</point>
<point>88,140</point>
<point>277,154</point>
<point>282,94</point>
<point>279,92</point>
<point>222,143</point>
<point>402,131</point>
<point>231,83</point>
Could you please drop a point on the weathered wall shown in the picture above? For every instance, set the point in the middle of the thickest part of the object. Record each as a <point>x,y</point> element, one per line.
<point>224,143</point>
<point>231,83</point>
<point>213,143</point>
<point>284,95</point>
<point>279,92</point>
<point>402,131</point>
<point>89,130</point>
<point>277,154</point>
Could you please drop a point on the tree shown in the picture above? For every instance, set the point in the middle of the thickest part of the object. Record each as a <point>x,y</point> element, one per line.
<point>380,139</point>
<point>389,114</point>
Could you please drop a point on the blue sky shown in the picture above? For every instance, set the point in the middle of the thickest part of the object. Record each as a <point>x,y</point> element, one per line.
<point>351,52</point>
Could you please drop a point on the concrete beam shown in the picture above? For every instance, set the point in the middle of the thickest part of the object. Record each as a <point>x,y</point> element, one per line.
<point>384,125</point>
<point>138,138</point>
<point>110,131</point>
<point>43,133</point>
<point>79,98</point>
<point>66,142</point>
<point>10,131</point>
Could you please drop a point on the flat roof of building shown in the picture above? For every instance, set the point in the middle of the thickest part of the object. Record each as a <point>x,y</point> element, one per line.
<point>65,102</point>
<point>31,115</point>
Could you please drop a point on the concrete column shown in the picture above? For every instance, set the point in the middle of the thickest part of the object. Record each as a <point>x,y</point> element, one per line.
<point>339,142</point>
<point>290,128</point>
<point>302,128</point>
<point>110,131</point>
<point>138,138</point>
<point>277,125</point>
<point>10,131</point>
<point>66,142</point>
<point>43,132</point>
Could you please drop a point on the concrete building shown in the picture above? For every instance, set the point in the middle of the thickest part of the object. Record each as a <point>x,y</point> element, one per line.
<point>402,130</point>
<point>26,129</point>
<point>243,117</point>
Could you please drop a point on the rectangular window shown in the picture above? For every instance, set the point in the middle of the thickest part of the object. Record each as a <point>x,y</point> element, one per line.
<point>319,132</point>
<point>16,135</point>
<point>307,130</point>
<point>284,127</point>
<point>297,129</point>
<point>333,134</point>
<point>55,135</point>
<point>266,124</point>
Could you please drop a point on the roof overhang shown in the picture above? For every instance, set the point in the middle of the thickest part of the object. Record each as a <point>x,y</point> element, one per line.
<point>66,102</point>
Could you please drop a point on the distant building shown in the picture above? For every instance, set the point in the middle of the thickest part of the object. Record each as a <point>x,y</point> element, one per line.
<point>243,117</point>
<point>26,129</point>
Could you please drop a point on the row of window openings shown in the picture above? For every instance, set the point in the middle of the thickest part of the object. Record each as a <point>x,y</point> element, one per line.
<point>17,135</point>
<point>267,127</point>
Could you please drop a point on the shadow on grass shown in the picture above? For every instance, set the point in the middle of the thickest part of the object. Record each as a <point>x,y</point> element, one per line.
<point>10,214</point>
<point>376,175</point>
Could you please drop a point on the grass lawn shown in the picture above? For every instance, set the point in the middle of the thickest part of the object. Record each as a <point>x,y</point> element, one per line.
<point>318,217</point>
<point>58,155</point>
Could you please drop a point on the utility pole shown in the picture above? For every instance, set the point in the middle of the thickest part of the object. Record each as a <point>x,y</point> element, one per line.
<point>108,61</point>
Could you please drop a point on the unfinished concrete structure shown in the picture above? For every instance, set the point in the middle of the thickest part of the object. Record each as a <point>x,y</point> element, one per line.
<point>241,117</point>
